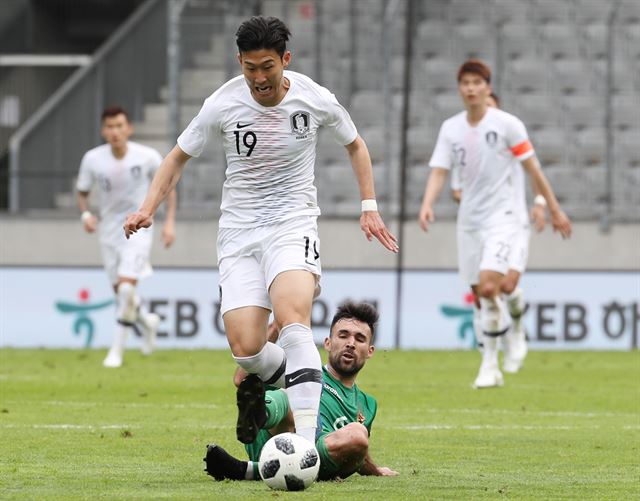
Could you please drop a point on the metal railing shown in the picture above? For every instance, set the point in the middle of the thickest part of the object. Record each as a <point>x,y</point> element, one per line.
<point>45,152</point>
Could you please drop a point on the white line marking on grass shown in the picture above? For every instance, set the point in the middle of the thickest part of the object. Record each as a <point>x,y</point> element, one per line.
<point>531,413</point>
<point>145,405</point>
<point>66,426</point>
<point>473,427</point>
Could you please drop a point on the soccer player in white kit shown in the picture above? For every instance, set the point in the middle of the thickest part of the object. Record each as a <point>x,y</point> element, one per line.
<point>515,343</point>
<point>122,171</point>
<point>268,119</point>
<point>485,144</point>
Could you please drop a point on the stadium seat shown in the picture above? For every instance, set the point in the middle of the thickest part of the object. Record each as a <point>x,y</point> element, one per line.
<point>560,41</point>
<point>471,41</point>
<point>594,40</point>
<point>469,11</point>
<point>551,144</point>
<point>627,153</point>
<point>538,110</point>
<point>433,40</point>
<point>512,11</point>
<point>524,76</point>
<point>591,146</point>
<point>581,112</point>
<point>518,41</point>
<point>545,11</point>
<point>444,106</point>
<point>420,141</point>
<point>367,108</point>
<point>440,75</point>
<point>374,137</point>
<point>328,150</point>
<point>572,76</point>
<point>625,112</point>
<point>592,11</point>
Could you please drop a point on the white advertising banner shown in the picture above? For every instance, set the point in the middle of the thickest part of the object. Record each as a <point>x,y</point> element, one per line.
<point>74,307</point>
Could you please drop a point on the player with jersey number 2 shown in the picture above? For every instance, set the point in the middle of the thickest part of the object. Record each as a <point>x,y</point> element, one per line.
<point>268,119</point>
<point>484,143</point>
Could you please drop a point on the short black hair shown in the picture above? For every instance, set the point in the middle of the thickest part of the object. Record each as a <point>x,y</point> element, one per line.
<point>114,111</point>
<point>260,32</point>
<point>364,312</point>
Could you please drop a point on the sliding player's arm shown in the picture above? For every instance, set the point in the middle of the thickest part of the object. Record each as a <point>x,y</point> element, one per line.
<point>370,468</point>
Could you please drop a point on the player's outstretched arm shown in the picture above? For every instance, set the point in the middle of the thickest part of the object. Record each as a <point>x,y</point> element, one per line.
<point>164,182</point>
<point>169,228</point>
<point>89,221</point>
<point>559,220</point>
<point>437,177</point>
<point>370,220</point>
<point>370,468</point>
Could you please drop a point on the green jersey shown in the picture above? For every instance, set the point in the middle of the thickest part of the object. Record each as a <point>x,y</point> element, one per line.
<point>340,405</point>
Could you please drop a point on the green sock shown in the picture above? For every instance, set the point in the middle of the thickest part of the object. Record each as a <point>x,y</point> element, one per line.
<point>277,407</point>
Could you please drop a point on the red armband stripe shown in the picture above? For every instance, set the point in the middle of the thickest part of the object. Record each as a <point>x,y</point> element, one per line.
<point>522,148</point>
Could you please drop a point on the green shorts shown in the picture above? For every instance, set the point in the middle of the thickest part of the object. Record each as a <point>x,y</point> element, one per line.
<point>328,467</point>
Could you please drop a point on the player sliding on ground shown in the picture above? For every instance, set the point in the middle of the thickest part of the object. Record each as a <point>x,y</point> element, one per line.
<point>485,144</point>
<point>122,170</point>
<point>346,412</point>
<point>268,119</point>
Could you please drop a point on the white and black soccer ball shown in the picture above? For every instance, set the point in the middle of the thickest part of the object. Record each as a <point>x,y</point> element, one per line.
<point>289,462</point>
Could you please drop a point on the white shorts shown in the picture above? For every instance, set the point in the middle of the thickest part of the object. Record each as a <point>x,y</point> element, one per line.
<point>486,249</point>
<point>520,250</point>
<point>249,259</point>
<point>129,258</point>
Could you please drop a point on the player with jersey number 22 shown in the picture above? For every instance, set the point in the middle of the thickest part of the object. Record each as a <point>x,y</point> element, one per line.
<point>268,119</point>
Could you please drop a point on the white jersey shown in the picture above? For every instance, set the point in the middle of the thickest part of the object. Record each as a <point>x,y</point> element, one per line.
<point>270,151</point>
<point>487,157</point>
<point>122,183</point>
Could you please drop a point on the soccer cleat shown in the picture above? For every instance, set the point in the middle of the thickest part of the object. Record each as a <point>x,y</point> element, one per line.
<point>488,378</point>
<point>220,464</point>
<point>113,359</point>
<point>252,411</point>
<point>149,332</point>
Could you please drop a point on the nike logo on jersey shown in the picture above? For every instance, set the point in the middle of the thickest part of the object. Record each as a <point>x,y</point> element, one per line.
<point>242,126</point>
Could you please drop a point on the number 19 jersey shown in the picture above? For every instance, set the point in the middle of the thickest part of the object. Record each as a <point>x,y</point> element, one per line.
<point>270,151</point>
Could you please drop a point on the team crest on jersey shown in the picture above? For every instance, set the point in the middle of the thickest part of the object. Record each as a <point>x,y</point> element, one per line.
<point>300,124</point>
<point>492,138</point>
<point>136,170</point>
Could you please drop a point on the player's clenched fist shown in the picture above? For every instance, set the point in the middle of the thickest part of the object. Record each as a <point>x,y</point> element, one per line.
<point>136,221</point>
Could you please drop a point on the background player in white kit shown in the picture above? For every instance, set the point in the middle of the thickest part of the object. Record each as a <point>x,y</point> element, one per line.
<point>122,171</point>
<point>485,143</point>
<point>268,247</point>
<point>515,343</point>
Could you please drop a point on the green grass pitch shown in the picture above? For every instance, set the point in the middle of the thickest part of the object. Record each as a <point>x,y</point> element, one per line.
<point>566,427</point>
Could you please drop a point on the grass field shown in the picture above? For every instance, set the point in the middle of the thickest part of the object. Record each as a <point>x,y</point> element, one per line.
<point>566,427</point>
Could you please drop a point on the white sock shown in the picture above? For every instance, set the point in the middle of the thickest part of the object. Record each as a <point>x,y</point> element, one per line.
<point>489,352</point>
<point>515,302</point>
<point>141,312</point>
<point>269,364</point>
<point>303,379</point>
<point>120,338</point>
<point>126,309</point>
<point>249,473</point>
<point>477,326</point>
<point>494,316</point>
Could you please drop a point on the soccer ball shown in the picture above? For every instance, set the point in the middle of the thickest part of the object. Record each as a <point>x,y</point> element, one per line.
<point>289,462</point>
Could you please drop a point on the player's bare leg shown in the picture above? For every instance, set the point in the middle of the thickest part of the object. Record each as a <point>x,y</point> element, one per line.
<point>495,322</point>
<point>515,340</point>
<point>292,295</point>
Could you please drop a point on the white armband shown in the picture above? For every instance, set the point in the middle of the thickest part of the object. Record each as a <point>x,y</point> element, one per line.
<point>369,205</point>
<point>540,200</point>
<point>86,215</point>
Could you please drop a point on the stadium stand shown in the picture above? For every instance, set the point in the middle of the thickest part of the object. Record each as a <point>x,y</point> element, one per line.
<point>550,62</point>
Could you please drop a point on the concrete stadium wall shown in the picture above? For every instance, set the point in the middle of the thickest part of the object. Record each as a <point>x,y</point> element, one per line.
<point>62,242</point>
